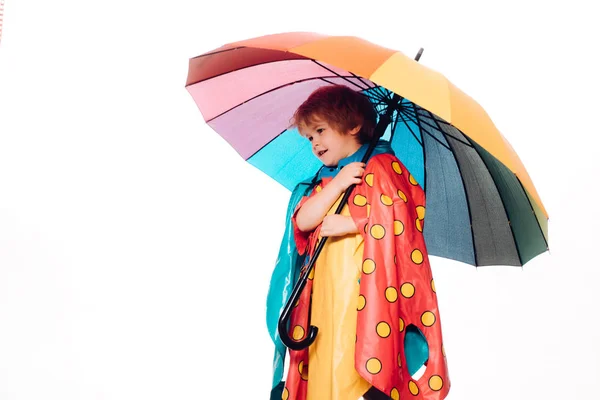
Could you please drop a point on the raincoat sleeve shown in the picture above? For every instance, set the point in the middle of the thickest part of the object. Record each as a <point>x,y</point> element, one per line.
<point>398,323</point>
<point>301,238</point>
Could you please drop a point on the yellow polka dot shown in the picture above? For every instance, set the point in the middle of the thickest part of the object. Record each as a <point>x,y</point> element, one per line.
<point>407,290</point>
<point>418,224</point>
<point>432,286</point>
<point>373,366</point>
<point>394,394</point>
<point>402,196</point>
<point>318,188</point>
<point>359,200</point>
<point>421,212</point>
<point>368,266</point>
<point>398,227</point>
<point>377,231</point>
<point>391,294</point>
<point>399,359</point>
<point>362,302</point>
<point>303,371</point>
<point>428,318</point>
<point>396,167</point>
<point>368,210</point>
<point>383,329</point>
<point>400,324</point>
<point>436,383</point>
<point>298,332</point>
<point>416,256</point>
<point>414,389</point>
<point>386,200</point>
<point>369,179</point>
<point>285,395</point>
<point>412,180</point>
<point>311,274</point>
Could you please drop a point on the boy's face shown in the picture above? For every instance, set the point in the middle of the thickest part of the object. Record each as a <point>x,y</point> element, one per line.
<point>328,144</point>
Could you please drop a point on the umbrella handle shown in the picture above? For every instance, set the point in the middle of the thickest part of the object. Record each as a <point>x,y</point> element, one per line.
<point>311,335</point>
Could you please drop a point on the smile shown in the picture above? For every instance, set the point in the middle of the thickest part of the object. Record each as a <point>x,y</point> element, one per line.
<point>320,153</point>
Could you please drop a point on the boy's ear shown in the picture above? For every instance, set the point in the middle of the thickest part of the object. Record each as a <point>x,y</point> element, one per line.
<point>354,131</point>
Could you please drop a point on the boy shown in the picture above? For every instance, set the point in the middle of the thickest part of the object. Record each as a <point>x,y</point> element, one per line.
<point>370,293</point>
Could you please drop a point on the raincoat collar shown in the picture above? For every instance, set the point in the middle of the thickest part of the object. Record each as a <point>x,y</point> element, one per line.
<point>382,146</point>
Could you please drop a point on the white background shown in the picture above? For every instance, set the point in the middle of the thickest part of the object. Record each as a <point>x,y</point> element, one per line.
<point>136,246</point>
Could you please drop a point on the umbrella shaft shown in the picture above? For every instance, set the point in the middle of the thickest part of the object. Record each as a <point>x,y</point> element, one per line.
<point>287,311</point>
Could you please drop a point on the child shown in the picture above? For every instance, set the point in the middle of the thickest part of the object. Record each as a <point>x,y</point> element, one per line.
<point>370,293</point>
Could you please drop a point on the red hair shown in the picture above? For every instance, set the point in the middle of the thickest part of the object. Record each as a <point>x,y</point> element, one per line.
<point>339,106</point>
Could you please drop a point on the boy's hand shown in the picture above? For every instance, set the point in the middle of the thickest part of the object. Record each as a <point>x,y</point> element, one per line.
<point>349,175</point>
<point>338,225</point>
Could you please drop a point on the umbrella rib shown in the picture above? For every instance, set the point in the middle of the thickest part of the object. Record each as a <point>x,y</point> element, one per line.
<point>413,119</point>
<point>466,197</point>
<point>410,113</point>
<point>266,92</point>
<point>266,144</point>
<point>218,52</point>
<point>343,77</point>
<point>380,102</point>
<point>419,122</point>
<point>444,122</point>
<point>394,126</point>
<point>410,129</point>
<point>300,58</point>
<point>363,80</point>
<point>439,128</point>
<point>325,80</point>
<point>376,93</point>
<point>371,96</point>
<point>424,162</point>
<point>438,120</point>
<point>385,95</point>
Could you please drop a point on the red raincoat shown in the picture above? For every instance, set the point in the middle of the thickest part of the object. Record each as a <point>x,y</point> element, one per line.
<point>396,289</point>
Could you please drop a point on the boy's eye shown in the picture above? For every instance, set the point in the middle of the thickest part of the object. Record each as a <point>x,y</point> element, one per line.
<point>320,130</point>
<point>309,138</point>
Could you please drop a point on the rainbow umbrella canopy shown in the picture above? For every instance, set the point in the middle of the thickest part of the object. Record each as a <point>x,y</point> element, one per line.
<point>482,207</point>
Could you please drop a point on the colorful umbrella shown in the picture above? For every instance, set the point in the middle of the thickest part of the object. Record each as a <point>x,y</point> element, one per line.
<point>482,207</point>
